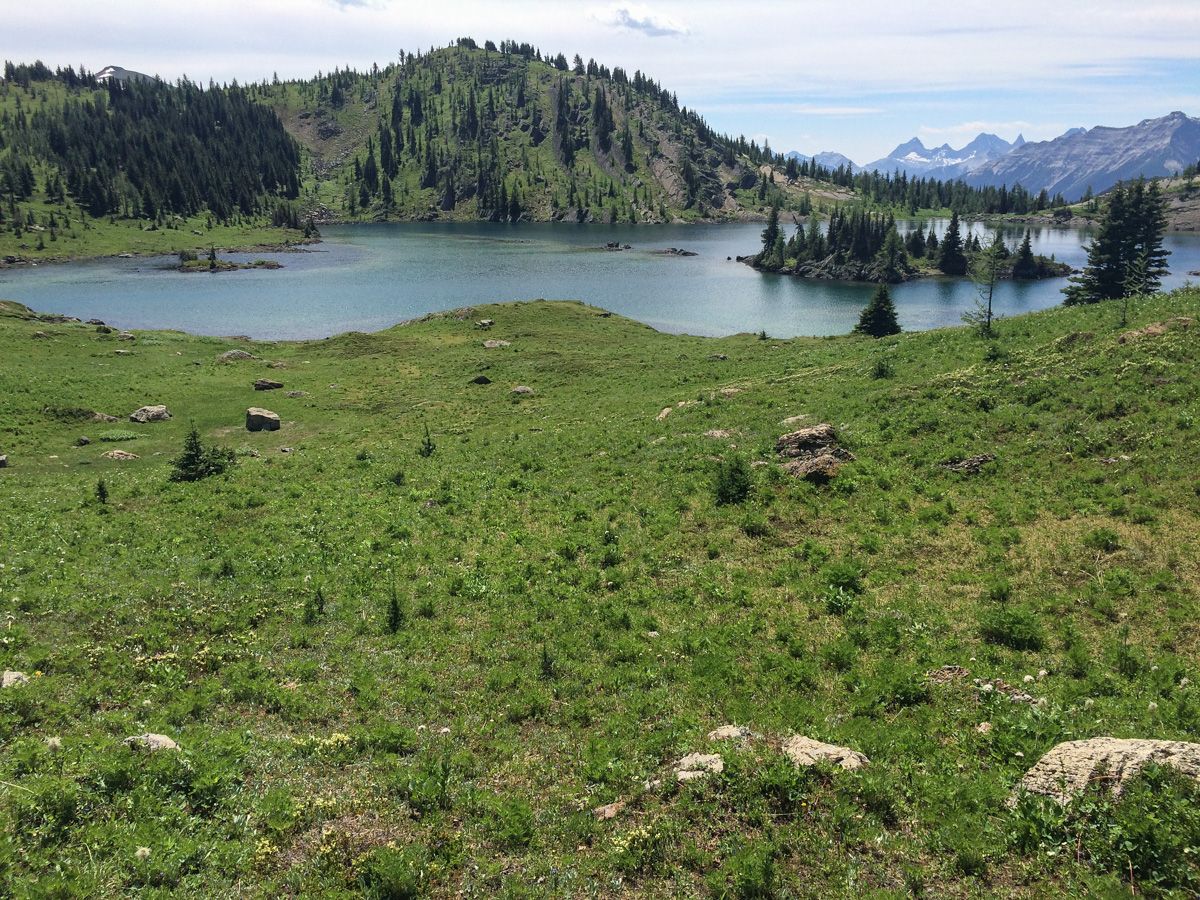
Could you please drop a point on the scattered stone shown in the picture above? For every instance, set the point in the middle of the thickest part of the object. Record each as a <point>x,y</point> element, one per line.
<point>119,455</point>
<point>287,449</point>
<point>794,420</point>
<point>234,355</point>
<point>150,414</point>
<point>972,465</point>
<point>730,391</point>
<point>4,461</point>
<point>13,679</point>
<point>40,334</point>
<point>103,329</point>
<point>730,733</point>
<point>102,417</point>
<point>718,357</point>
<point>522,390</point>
<point>296,395</point>
<point>812,453</point>
<point>485,323</point>
<point>674,251</point>
<point>983,728</point>
<point>608,811</point>
<point>1071,767</point>
<point>123,352</point>
<point>82,441</point>
<point>804,751</point>
<point>1157,329</point>
<point>95,321</point>
<point>947,674</point>
<point>495,345</point>
<point>666,411</point>
<point>150,742</point>
<point>719,433</point>
<point>126,336</point>
<point>267,384</point>
<point>481,379</point>
<point>698,765</point>
<point>1000,686</point>
<point>258,419</point>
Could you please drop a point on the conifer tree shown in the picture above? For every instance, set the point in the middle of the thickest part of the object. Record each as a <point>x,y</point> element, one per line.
<point>1024,266</point>
<point>878,318</point>
<point>951,258</point>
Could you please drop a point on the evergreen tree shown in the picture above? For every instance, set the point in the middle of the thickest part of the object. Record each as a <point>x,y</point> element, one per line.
<point>951,258</point>
<point>1025,266</point>
<point>197,461</point>
<point>878,318</point>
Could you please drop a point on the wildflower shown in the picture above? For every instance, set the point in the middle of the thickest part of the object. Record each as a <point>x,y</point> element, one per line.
<point>54,744</point>
<point>142,854</point>
<point>1153,707</point>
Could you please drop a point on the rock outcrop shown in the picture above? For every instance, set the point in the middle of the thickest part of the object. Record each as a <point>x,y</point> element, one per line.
<point>1070,768</point>
<point>267,384</point>
<point>812,453</point>
<point>259,419</point>
<point>234,356</point>
<point>804,751</point>
<point>698,765</point>
<point>150,414</point>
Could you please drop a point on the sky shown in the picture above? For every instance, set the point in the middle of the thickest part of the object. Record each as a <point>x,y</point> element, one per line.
<point>854,76</point>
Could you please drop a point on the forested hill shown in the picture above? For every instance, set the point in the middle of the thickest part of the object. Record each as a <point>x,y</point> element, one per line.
<point>505,132</point>
<point>70,144</point>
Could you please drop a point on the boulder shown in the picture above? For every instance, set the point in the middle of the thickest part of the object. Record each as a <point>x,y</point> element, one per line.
<point>698,765</point>
<point>82,441</point>
<point>258,419</point>
<point>804,751</point>
<point>127,336</point>
<point>95,321</point>
<point>103,329</point>
<point>13,679</point>
<point>150,414</point>
<point>495,345</point>
<point>730,733</point>
<point>806,442</point>
<point>267,384</point>
<point>818,468</point>
<point>4,461</point>
<point>666,411</point>
<point>1070,768</point>
<point>481,379</point>
<point>234,355</point>
<point>485,323</point>
<point>150,742</point>
<point>522,390</point>
<point>119,455</point>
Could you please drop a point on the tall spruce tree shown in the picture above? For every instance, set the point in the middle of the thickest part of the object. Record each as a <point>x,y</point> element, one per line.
<point>951,258</point>
<point>878,318</point>
<point>1025,266</point>
<point>1127,257</point>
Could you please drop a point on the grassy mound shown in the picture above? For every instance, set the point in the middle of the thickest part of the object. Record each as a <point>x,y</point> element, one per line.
<point>403,662</point>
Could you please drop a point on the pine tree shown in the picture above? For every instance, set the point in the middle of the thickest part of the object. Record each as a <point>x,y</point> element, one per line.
<point>1109,255</point>
<point>878,318</point>
<point>197,461</point>
<point>1025,266</point>
<point>951,259</point>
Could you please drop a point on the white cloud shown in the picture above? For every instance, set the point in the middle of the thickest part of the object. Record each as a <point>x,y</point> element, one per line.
<point>634,17</point>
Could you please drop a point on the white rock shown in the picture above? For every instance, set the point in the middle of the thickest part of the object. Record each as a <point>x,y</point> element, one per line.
<point>151,742</point>
<point>12,679</point>
<point>698,765</point>
<point>804,751</point>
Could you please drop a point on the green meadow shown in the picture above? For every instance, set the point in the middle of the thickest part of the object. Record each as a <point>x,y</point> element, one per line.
<point>411,640</point>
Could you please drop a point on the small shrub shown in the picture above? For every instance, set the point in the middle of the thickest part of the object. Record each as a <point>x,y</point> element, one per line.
<point>1016,627</point>
<point>396,614</point>
<point>398,478</point>
<point>733,483</point>
<point>115,435</point>
<point>882,369</point>
<point>427,445</point>
<point>389,873</point>
<point>1103,539</point>
<point>748,874</point>
<point>101,492</point>
<point>197,461</point>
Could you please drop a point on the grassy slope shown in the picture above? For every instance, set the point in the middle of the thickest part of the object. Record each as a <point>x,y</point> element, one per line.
<point>576,610</point>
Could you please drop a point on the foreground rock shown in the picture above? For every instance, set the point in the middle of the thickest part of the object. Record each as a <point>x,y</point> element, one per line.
<point>698,765</point>
<point>119,455</point>
<point>259,419</point>
<point>13,679</point>
<point>267,384</point>
<point>804,751</point>
<point>812,453</point>
<point>1068,769</point>
<point>150,742</point>
<point>150,414</point>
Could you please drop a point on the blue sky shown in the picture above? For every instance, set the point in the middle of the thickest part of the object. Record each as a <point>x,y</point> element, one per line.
<point>857,77</point>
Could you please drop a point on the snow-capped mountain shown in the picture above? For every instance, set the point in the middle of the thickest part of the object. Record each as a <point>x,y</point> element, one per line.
<point>826,158</point>
<point>945,162</point>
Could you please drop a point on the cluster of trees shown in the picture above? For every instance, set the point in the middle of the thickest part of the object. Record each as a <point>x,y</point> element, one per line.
<point>143,149</point>
<point>1127,257</point>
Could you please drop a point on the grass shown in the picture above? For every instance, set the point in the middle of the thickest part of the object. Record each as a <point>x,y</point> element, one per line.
<point>404,673</point>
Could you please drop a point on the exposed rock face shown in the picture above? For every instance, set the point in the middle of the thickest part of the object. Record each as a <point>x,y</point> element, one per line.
<point>804,751</point>
<point>944,162</point>
<point>150,414</point>
<point>12,679</point>
<point>1071,767</point>
<point>972,465</point>
<point>119,455</point>
<point>812,453</point>
<point>234,355</point>
<point>150,742</point>
<point>259,419</point>
<point>267,384</point>
<point>698,765</point>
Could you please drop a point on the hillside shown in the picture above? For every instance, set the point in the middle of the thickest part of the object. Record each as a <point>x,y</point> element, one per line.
<point>469,660</point>
<point>503,133</point>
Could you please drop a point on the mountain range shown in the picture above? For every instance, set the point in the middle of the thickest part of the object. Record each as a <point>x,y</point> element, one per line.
<point>914,158</point>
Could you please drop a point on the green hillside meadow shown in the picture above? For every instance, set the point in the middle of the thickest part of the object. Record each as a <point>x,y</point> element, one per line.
<point>400,667</point>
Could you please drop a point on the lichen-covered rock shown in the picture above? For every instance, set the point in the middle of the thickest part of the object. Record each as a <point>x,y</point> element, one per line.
<point>1070,768</point>
<point>817,468</point>
<point>150,742</point>
<point>698,765</point>
<point>234,356</point>
<point>258,419</point>
<point>804,751</point>
<point>807,442</point>
<point>146,414</point>
<point>13,679</point>
<point>120,455</point>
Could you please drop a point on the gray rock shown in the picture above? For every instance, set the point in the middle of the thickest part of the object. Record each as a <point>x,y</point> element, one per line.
<point>972,465</point>
<point>1071,767</point>
<point>522,389</point>
<point>82,441</point>
<point>258,419</point>
<point>812,453</point>
<point>730,733</point>
<point>234,355</point>
<point>119,455</point>
<point>295,395</point>
<point>13,679</point>
<point>150,742</point>
<point>804,751</point>
<point>698,765</point>
<point>150,414</point>
<point>4,461</point>
<point>127,336</point>
<point>267,384</point>
<point>495,345</point>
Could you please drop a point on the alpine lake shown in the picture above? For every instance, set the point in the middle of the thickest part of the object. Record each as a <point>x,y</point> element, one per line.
<point>371,276</point>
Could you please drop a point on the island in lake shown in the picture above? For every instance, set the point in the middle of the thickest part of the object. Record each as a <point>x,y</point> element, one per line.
<point>863,246</point>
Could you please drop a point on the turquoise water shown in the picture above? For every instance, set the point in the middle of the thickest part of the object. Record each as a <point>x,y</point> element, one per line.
<point>368,277</point>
